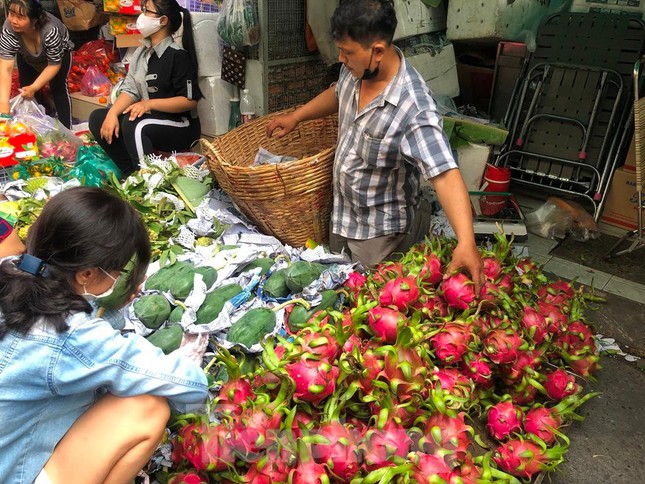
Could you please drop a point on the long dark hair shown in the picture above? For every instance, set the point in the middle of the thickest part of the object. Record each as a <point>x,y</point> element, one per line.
<point>78,229</point>
<point>32,9</point>
<point>172,10</point>
<point>364,21</point>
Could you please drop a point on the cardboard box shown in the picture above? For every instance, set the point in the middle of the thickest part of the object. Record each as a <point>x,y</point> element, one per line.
<point>621,201</point>
<point>493,20</point>
<point>439,70</point>
<point>475,85</point>
<point>128,40</point>
<point>125,7</point>
<point>123,24</point>
<point>83,105</point>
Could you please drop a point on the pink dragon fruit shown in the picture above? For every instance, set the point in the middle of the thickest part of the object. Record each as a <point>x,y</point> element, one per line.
<point>321,343</point>
<point>431,468</point>
<point>524,459</point>
<point>187,478</point>
<point>386,271</point>
<point>478,369</point>
<point>432,305</point>
<point>384,323</point>
<point>522,393</point>
<point>406,372</point>
<point>503,345</point>
<point>585,366</point>
<point>308,472</point>
<point>451,342</point>
<point>188,444</point>
<point>534,325</point>
<point>400,293</point>
<point>381,444</point>
<point>560,384</point>
<point>458,291</point>
<point>315,379</point>
<point>456,388</point>
<point>541,422</point>
<point>269,469</point>
<point>492,268</point>
<point>556,320</point>
<point>526,362</point>
<point>216,453</point>
<point>448,433</point>
<point>340,454</point>
<point>301,420</point>
<point>233,396</point>
<point>254,431</point>
<point>355,282</point>
<point>506,284</point>
<point>432,270</point>
<point>504,419</point>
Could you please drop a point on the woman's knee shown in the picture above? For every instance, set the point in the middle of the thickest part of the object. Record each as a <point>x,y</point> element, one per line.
<point>96,120</point>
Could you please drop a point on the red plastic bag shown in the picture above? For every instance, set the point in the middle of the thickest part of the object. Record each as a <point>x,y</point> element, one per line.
<point>95,83</point>
<point>99,53</point>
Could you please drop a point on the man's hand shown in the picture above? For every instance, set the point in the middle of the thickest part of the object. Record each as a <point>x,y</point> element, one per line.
<point>28,92</point>
<point>138,109</point>
<point>468,257</point>
<point>286,123</point>
<point>110,128</point>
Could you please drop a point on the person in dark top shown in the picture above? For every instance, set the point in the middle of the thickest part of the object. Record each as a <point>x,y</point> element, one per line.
<point>157,105</point>
<point>43,51</point>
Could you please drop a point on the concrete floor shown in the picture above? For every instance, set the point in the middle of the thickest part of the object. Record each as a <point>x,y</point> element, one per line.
<point>609,444</point>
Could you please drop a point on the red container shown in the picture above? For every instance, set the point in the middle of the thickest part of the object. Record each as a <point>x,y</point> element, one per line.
<point>496,179</point>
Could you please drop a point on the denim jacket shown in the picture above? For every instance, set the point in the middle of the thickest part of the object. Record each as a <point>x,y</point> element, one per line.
<point>48,379</point>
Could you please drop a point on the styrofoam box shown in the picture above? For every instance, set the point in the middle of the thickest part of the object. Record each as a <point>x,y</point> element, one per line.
<point>492,19</point>
<point>207,43</point>
<point>438,70</point>
<point>472,161</point>
<point>414,18</point>
<point>626,7</point>
<point>214,108</point>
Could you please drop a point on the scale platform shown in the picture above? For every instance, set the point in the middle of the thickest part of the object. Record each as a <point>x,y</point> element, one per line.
<point>497,211</point>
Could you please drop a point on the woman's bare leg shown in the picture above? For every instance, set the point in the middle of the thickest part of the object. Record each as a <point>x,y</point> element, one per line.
<point>110,442</point>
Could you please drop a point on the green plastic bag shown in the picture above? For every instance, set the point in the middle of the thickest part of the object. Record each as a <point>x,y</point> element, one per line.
<point>93,166</point>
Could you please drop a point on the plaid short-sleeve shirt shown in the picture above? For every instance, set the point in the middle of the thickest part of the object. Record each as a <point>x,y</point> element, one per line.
<point>382,152</point>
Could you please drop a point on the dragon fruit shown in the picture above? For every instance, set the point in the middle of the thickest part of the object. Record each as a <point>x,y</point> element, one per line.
<point>524,459</point>
<point>534,324</point>
<point>186,478</point>
<point>400,293</point>
<point>406,372</point>
<point>321,343</point>
<point>432,270</point>
<point>492,268</point>
<point>381,444</point>
<point>456,389</point>
<point>503,345</point>
<point>254,431</point>
<point>560,384</point>
<point>431,468</point>
<point>315,379</point>
<point>340,454</point>
<point>504,419</point>
<point>556,320</point>
<point>585,366</point>
<point>448,433</point>
<point>478,369</point>
<point>432,305</point>
<point>308,472</point>
<point>526,362</point>
<point>541,422</point>
<point>355,282</point>
<point>451,342</point>
<point>269,469</point>
<point>384,323</point>
<point>188,444</point>
<point>458,291</point>
<point>386,271</point>
<point>302,420</point>
<point>216,454</point>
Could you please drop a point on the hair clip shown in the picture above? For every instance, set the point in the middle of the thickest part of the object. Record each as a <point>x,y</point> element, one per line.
<point>33,265</point>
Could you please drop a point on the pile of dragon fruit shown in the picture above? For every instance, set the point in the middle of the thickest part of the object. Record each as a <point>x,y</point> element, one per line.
<point>415,378</point>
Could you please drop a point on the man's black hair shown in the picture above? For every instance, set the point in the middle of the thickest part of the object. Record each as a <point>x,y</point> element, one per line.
<point>364,21</point>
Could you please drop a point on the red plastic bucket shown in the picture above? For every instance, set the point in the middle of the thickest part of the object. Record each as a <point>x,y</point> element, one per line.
<point>496,179</point>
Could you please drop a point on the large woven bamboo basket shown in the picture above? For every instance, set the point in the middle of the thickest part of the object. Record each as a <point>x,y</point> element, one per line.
<point>290,200</point>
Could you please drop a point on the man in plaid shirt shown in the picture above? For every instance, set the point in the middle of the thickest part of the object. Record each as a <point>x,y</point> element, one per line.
<point>390,134</point>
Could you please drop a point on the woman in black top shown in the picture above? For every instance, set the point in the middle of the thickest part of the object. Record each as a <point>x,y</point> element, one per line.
<point>44,54</point>
<point>157,105</point>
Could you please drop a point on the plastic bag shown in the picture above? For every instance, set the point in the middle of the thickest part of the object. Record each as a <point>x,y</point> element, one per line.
<point>95,83</point>
<point>93,166</point>
<point>238,23</point>
<point>557,218</point>
<point>54,139</point>
<point>99,53</point>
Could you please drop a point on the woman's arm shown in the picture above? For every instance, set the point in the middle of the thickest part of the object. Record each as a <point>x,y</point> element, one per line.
<point>41,81</point>
<point>6,69</point>
<point>177,104</point>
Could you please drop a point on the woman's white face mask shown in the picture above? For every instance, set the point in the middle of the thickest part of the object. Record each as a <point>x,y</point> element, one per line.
<point>148,25</point>
<point>92,297</point>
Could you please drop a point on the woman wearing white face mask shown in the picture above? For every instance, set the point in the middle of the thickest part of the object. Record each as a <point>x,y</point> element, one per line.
<point>80,402</point>
<point>157,105</point>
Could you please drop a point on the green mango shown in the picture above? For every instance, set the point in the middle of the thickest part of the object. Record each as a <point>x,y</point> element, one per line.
<point>276,284</point>
<point>168,338</point>
<point>252,327</point>
<point>302,273</point>
<point>152,310</point>
<point>162,279</point>
<point>214,302</point>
